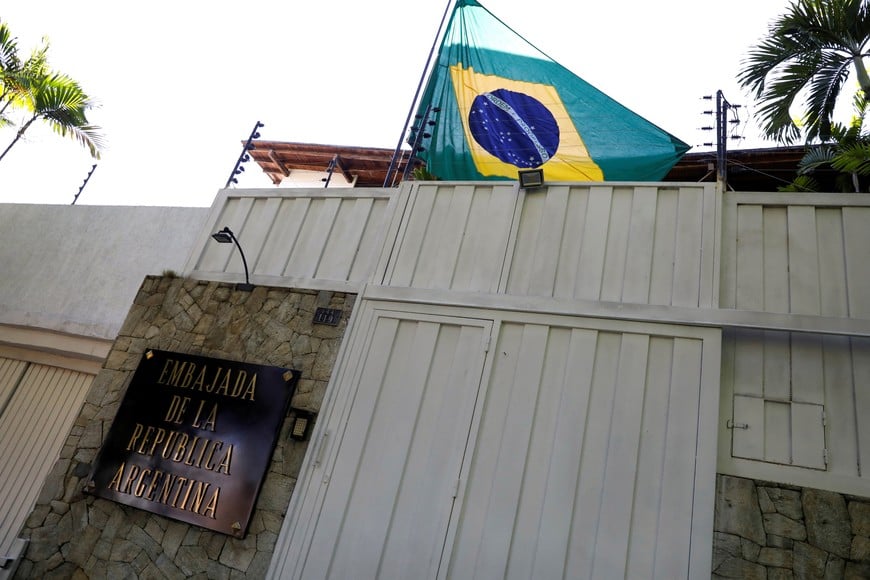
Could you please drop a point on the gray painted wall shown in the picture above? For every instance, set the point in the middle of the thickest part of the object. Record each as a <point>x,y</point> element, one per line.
<point>76,269</point>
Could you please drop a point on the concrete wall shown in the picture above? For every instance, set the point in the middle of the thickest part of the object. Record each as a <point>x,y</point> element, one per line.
<point>76,269</point>
<point>77,535</point>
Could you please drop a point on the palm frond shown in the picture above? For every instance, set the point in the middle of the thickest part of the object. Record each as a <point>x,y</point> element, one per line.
<point>824,87</point>
<point>815,158</point>
<point>8,50</point>
<point>801,183</point>
<point>853,159</point>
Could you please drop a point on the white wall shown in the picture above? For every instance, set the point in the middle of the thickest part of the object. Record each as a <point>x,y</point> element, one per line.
<point>76,269</point>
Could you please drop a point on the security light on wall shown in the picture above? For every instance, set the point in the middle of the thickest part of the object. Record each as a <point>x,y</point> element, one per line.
<point>531,178</point>
<point>226,236</point>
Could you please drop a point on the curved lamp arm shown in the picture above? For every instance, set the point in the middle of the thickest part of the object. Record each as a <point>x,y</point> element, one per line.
<point>226,236</point>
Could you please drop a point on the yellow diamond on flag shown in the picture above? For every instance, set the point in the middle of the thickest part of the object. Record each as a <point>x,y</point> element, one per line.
<point>511,125</point>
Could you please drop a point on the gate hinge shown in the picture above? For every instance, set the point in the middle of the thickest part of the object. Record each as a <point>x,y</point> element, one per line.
<point>732,425</point>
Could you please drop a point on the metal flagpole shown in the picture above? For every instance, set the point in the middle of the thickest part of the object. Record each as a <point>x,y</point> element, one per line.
<point>398,149</point>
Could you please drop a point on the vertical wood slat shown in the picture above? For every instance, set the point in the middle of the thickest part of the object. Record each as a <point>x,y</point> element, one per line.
<point>569,255</point>
<point>861,375</point>
<point>32,430</point>
<point>750,265</point>
<point>254,231</point>
<point>712,248</point>
<point>10,373</point>
<point>775,260</point>
<point>807,372</point>
<point>616,245</point>
<point>839,386</point>
<point>434,238</point>
<point>688,251</point>
<point>440,271</point>
<point>313,236</point>
<point>412,236</point>
<point>488,266</point>
<point>748,363</point>
<point>728,264</point>
<point>777,431</point>
<point>803,260</point>
<point>808,435</point>
<point>777,365</point>
<point>832,262</point>
<point>638,265</point>
<point>522,260</point>
<point>856,240</point>
<point>282,238</point>
<point>370,238</point>
<point>590,269</point>
<point>664,247</point>
<point>348,230</point>
<point>480,264</point>
<point>551,236</point>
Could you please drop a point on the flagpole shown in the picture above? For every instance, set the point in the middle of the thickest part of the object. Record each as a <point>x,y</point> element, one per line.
<point>397,151</point>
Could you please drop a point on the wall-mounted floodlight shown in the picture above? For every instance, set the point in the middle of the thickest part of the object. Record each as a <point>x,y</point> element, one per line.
<point>226,236</point>
<point>531,178</point>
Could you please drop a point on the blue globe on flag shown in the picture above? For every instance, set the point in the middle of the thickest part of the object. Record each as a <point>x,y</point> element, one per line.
<point>514,127</point>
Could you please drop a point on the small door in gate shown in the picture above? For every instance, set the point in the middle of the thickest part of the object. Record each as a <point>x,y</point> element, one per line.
<point>390,486</point>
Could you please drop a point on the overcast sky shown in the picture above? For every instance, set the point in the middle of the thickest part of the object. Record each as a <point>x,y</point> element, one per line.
<point>181,84</point>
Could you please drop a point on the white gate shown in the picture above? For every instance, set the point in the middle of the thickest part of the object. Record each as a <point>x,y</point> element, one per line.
<point>569,448</point>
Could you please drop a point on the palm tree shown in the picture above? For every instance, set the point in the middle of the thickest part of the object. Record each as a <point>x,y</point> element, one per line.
<point>58,100</point>
<point>43,95</point>
<point>810,50</point>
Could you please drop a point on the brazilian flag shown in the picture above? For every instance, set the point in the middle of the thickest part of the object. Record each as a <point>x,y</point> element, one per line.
<point>499,105</point>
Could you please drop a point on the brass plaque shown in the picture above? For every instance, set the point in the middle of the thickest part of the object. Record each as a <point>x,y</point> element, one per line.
<point>193,438</point>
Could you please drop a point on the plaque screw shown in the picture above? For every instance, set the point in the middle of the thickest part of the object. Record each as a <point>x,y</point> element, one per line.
<point>288,376</point>
<point>149,355</point>
<point>237,526</point>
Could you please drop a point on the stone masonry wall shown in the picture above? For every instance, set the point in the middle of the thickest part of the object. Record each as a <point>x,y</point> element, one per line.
<point>777,531</point>
<point>74,535</point>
